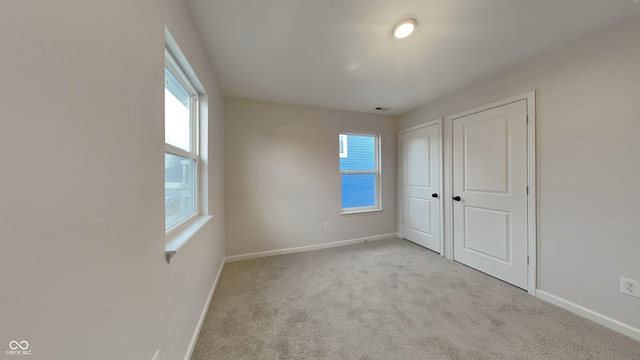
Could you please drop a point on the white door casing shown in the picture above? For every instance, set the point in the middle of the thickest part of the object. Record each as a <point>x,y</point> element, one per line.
<point>421,186</point>
<point>490,175</point>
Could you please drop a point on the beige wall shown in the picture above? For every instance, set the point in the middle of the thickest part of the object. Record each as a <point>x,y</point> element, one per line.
<point>283,181</point>
<point>82,267</point>
<point>588,121</point>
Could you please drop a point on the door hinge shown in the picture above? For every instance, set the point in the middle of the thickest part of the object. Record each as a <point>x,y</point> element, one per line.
<point>527,119</point>
<point>527,190</point>
<point>527,260</point>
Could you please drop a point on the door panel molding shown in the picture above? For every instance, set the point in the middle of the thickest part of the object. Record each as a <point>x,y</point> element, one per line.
<point>447,192</point>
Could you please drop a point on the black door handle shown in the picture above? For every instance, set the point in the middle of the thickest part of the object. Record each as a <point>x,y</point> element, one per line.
<point>456,198</point>
<point>434,195</point>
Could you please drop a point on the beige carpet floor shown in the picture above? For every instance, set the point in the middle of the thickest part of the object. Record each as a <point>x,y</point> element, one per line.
<point>388,299</point>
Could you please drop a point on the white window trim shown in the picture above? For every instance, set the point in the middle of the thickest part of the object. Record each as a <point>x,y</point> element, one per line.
<point>179,234</point>
<point>344,153</point>
<point>378,172</point>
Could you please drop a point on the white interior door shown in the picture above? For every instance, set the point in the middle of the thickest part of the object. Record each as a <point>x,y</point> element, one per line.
<point>421,186</point>
<point>490,191</point>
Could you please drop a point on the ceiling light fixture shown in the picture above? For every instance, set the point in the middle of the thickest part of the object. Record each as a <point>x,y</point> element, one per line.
<point>404,28</point>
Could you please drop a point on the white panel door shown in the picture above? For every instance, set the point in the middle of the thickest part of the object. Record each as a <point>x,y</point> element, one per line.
<point>421,186</point>
<point>490,192</point>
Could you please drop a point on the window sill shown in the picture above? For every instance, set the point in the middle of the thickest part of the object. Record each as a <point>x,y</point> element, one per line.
<point>355,212</point>
<point>176,240</point>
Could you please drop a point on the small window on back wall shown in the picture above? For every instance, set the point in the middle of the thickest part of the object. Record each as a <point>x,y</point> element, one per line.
<point>181,158</point>
<point>360,172</point>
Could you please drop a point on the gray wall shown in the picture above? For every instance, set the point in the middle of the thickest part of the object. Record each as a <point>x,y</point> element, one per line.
<point>283,180</point>
<point>588,121</point>
<point>82,267</point>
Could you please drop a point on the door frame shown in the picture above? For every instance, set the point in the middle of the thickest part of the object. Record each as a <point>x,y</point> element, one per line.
<point>441,169</point>
<point>530,98</point>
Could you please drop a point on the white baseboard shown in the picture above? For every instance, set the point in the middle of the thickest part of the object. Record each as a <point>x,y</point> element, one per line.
<point>612,324</point>
<point>307,248</point>
<point>203,315</point>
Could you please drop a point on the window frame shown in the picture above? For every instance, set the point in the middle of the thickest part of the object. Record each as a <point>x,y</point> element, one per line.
<point>194,133</point>
<point>377,172</point>
<point>343,141</point>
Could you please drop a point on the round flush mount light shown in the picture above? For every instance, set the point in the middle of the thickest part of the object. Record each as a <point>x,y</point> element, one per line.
<point>404,28</point>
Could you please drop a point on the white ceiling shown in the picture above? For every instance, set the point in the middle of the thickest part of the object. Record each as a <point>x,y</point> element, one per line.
<point>340,54</point>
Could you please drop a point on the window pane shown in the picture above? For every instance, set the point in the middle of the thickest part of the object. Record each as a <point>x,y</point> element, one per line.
<point>360,153</point>
<point>177,123</point>
<point>179,188</point>
<point>358,190</point>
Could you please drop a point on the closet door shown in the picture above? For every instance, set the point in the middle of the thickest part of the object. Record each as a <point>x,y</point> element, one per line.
<point>421,186</point>
<point>490,191</point>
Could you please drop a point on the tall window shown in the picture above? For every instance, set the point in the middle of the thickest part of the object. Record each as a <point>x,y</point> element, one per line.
<point>181,160</point>
<point>360,171</point>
